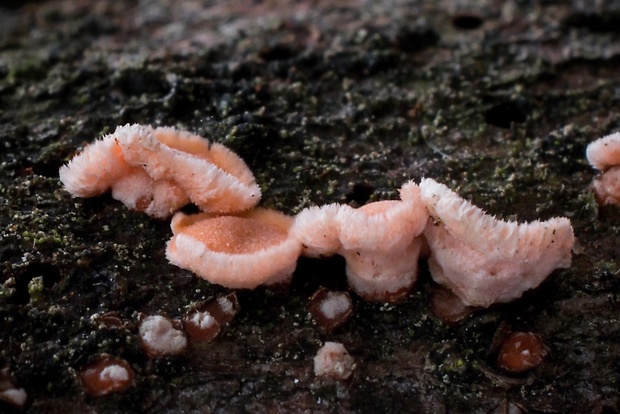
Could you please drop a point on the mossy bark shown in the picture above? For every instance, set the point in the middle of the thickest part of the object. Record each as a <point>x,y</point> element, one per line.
<point>327,102</point>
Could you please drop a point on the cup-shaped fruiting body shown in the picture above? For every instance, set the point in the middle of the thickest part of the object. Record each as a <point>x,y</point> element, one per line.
<point>160,337</point>
<point>213,177</point>
<point>93,171</point>
<point>206,321</point>
<point>157,198</point>
<point>381,245</point>
<point>240,252</point>
<point>521,352</point>
<point>606,187</point>
<point>102,166</point>
<point>383,275</point>
<point>330,308</point>
<point>106,375</point>
<point>158,170</point>
<point>201,326</point>
<point>379,241</point>
<point>604,154</point>
<point>224,308</point>
<point>318,230</point>
<point>332,360</point>
<point>484,260</point>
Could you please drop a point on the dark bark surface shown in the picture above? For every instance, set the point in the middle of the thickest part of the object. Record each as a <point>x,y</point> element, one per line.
<point>327,101</point>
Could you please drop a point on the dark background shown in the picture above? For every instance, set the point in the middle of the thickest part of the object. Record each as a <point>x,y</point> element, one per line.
<point>327,101</point>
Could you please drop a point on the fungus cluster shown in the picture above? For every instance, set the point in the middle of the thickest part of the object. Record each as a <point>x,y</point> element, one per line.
<point>479,258</point>
<point>604,155</point>
<point>159,170</point>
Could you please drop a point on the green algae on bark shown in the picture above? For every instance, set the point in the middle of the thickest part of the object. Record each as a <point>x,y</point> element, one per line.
<point>327,102</point>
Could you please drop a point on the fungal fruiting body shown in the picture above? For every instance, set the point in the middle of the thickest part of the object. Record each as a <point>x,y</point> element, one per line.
<point>224,308</point>
<point>160,337</point>
<point>95,169</point>
<point>379,241</point>
<point>604,155</point>
<point>448,307</point>
<point>318,230</point>
<point>484,260</point>
<point>157,198</point>
<point>481,259</point>
<point>240,252</point>
<point>521,352</point>
<point>381,247</point>
<point>213,177</point>
<point>206,321</point>
<point>330,308</point>
<point>604,152</point>
<point>201,326</point>
<point>106,375</point>
<point>10,393</point>
<point>607,187</point>
<point>332,360</point>
<point>158,170</point>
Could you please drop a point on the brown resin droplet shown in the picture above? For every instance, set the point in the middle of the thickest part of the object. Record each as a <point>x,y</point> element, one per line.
<point>449,307</point>
<point>106,375</point>
<point>521,352</point>
<point>330,308</point>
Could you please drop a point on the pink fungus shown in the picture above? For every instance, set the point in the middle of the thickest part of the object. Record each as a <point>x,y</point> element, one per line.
<point>484,260</point>
<point>157,198</point>
<point>239,252</point>
<point>318,230</point>
<point>333,361</point>
<point>160,337</point>
<point>158,170</point>
<point>604,152</point>
<point>213,177</point>
<point>604,155</point>
<point>379,242</point>
<point>93,171</point>
<point>607,187</point>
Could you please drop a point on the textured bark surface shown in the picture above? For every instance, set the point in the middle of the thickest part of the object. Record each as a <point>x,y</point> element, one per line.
<point>327,101</point>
